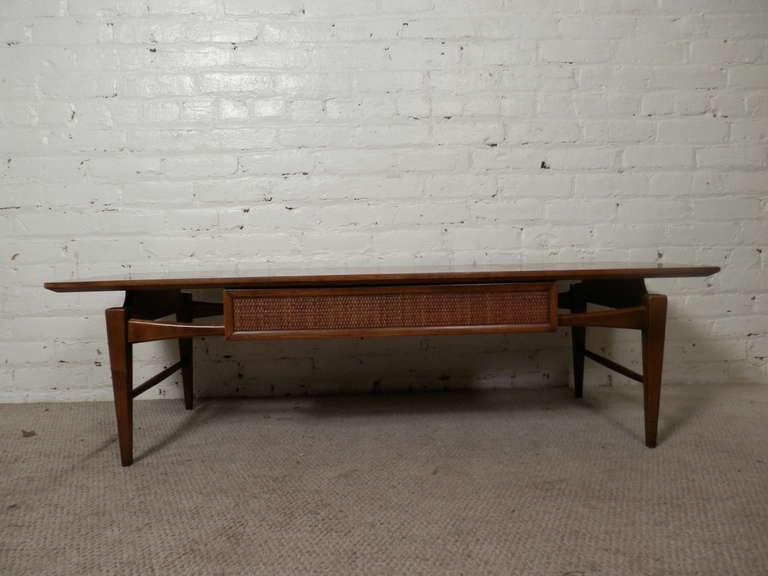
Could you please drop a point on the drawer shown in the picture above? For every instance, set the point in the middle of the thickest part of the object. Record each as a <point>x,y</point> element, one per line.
<point>389,310</point>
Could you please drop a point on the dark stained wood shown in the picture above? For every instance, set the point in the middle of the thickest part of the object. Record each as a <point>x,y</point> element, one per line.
<point>121,363</point>
<point>578,305</point>
<point>614,293</point>
<point>616,367</point>
<point>565,299</point>
<point>151,330</point>
<point>633,317</point>
<point>147,303</point>
<point>403,276</point>
<point>185,314</point>
<point>206,309</point>
<point>155,380</point>
<point>621,287</point>
<point>653,360</point>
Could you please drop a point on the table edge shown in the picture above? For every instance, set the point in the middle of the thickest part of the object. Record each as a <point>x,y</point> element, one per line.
<point>385,278</point>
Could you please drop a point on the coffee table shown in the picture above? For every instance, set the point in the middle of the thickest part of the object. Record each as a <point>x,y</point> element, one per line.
<point>379,302</point>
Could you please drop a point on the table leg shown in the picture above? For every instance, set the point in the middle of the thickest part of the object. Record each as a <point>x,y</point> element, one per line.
<point>184,314</point>
<point>653,359</point>
<point>121,363</point>
<point>578,339</point>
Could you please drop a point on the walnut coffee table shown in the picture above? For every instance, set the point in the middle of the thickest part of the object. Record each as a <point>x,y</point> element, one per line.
<point>360,303</point>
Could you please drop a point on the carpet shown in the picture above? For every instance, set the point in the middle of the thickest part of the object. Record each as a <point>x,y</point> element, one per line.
<point>528,482</point>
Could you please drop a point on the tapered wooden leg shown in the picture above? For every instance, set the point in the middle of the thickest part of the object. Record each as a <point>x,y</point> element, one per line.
<point>184,314</point>
<point>653,360</point>
<point>578,340</point>
<point>121,363</point>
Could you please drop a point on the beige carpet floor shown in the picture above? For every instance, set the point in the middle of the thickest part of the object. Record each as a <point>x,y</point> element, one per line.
<point>457,483</point>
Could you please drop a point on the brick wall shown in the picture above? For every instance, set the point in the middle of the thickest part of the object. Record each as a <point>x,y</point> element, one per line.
<point>168,136</point>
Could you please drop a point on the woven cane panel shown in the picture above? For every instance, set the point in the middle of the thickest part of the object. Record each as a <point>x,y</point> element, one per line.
<point>396,310</point>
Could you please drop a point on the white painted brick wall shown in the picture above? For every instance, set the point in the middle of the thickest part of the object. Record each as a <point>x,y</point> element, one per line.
<point>167,136</point>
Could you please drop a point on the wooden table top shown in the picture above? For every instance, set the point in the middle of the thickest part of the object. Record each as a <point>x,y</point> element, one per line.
<point>308,277</point>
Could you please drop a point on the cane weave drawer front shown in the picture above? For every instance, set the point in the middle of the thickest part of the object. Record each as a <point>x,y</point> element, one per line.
<point>389,311</point>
